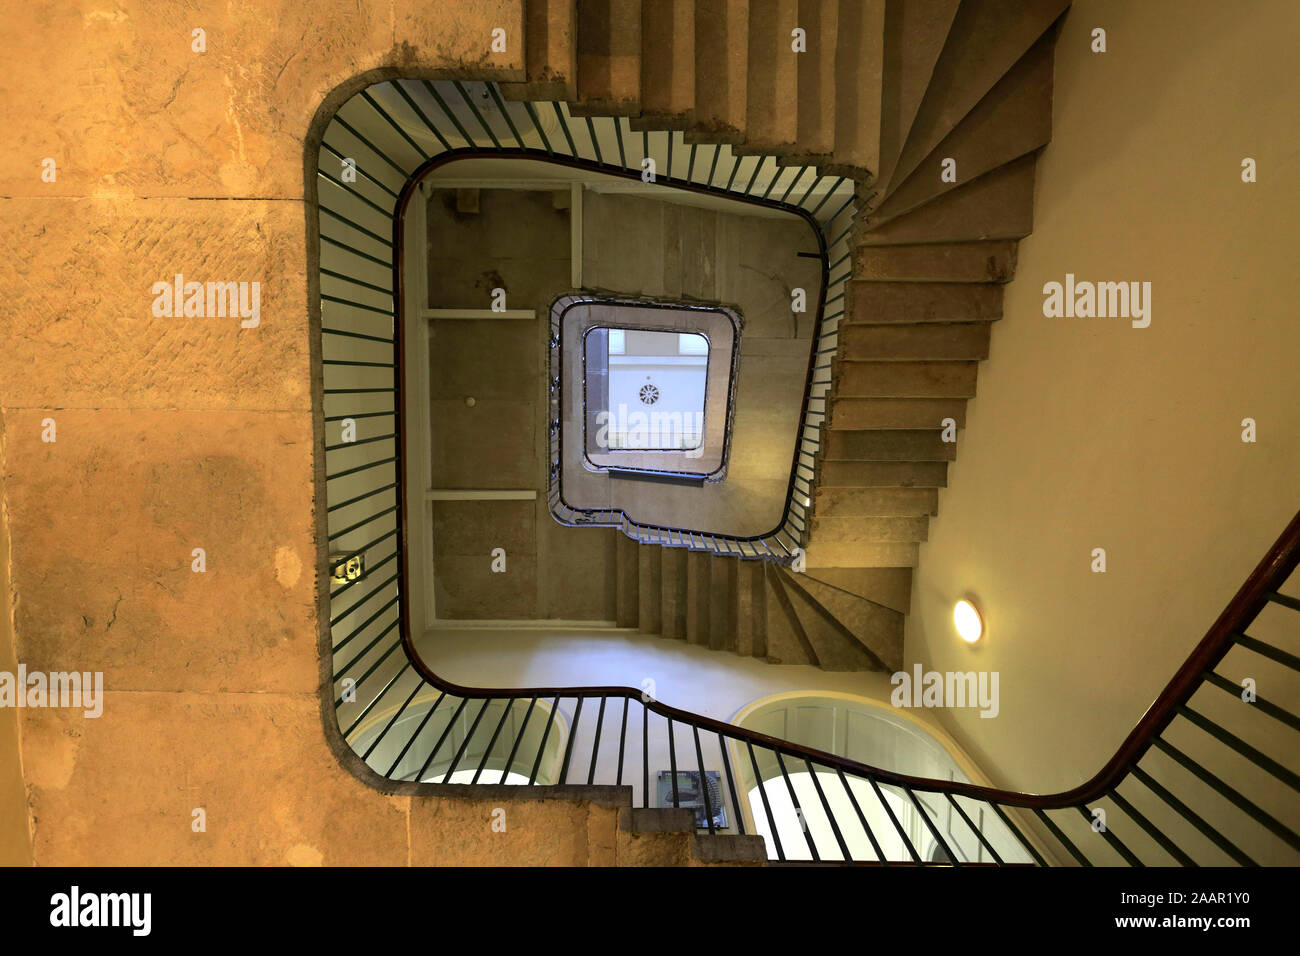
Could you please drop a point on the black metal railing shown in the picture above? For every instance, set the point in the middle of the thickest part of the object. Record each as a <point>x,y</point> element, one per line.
<point>1157,795</point>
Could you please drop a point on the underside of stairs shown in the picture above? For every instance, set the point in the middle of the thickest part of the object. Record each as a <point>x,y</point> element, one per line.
<point>937,109</point>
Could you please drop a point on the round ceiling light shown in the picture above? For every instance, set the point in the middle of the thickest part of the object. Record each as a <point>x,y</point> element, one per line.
<point>966,618</point>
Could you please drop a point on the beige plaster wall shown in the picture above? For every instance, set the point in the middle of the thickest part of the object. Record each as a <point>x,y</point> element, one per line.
<point>1088,433</point>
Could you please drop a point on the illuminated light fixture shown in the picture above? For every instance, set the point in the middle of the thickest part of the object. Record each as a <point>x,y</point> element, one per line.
<point>967,620</point>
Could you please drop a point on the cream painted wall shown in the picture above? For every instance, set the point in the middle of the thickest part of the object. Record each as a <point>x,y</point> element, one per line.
<point>1088,433</point>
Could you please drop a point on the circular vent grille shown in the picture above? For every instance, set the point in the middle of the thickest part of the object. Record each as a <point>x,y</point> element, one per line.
<point>649,394</point>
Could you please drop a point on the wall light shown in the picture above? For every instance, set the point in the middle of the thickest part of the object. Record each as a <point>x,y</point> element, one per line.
<point>966,618</point>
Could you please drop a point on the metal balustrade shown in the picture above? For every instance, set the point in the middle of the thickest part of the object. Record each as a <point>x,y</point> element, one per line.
<point>409,724</point>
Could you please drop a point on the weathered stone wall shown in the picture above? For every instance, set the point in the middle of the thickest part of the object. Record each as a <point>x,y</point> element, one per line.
<point>181,433</point>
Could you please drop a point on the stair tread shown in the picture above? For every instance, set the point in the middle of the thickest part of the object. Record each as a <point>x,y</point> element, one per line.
<point>988,261</point>
<point>859,74</point>
<point>550,53</point>
<point>721,65</point>
<point>1013,119</point>
<point>836,649</point>
<point>878,629</point>
<point>786,641</point>
<point>998,205</point>
<point>847,412</point>
<point>609,58</point>
<point>891,587</point>
<point>915,35</point>
<point>772,78</point>
<point>986,39</point>
<point>667,64</point>
<point>816,113</point>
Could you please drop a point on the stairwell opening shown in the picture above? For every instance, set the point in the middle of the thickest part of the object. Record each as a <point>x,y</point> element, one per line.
<point>373,152</point>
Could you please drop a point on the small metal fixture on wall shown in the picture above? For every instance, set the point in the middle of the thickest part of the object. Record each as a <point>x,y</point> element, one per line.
<point>346,567</point>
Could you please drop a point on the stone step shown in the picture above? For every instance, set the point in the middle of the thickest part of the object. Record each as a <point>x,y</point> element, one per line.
<point>986,39</point>
<point>887,303</point>
<point>699,590</point>
<point>786,641</point>
<point>884,474</point>
<point>727,849</point>
<point>915,34</point>
<point>993,261</point>
<point>867,529</point>
<point>609,58</point>
<point>550,53</point>
<point>878,629</point>
<point>859,73</point>
<point>998,205</point>
<point>649,598</point>
<point>837,649</point>
<point>1015,118</point>
<point>751,610</point>
<point>932,341</point>
<point>667,65</point>
<point>721,65</point>
<point>815,141</point>
<point>896,444</point>
<point>723,580</point>
<point>906,379</point>
<point>887,587</point>
<point>861,413</point>
<point>772,71</point>
<point>880,502</point>
<point>672,615</point>
<point>656,819</point>
<point>627,580</point>
<point>851,554</point>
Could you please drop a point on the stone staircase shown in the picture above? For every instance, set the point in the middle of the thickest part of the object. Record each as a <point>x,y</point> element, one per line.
<point>891,93</point>
<point>839,619</point>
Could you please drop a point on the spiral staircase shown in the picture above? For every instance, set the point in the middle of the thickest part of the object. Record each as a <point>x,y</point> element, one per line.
<point>936,109</point>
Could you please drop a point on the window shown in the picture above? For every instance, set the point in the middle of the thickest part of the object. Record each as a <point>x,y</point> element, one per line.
<point>646,389</point>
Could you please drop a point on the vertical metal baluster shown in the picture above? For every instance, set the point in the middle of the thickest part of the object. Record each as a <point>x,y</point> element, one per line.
<point>1020,837</point>
<point>704,781</point>
<point>505,713</point>
<point>1062,838</point>
<point>826,808</point>
<point>622,740</point>
<point>428,761</point>
<point>672,761</point>
<point>519,738</point>
<point>916,857</point>
<point>803,821</point>
<point>414,736</point>
<point>541,748</point>
<point>731,784</point>
<point>974,829</point>
<point>645,753</point>
<point>595,747</point>
<point>934,831</point>
<point>464,744</point>
<point>767,807</point>
<point>568,744</point>
<point>1129,856</point>
<point>862,818</point>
